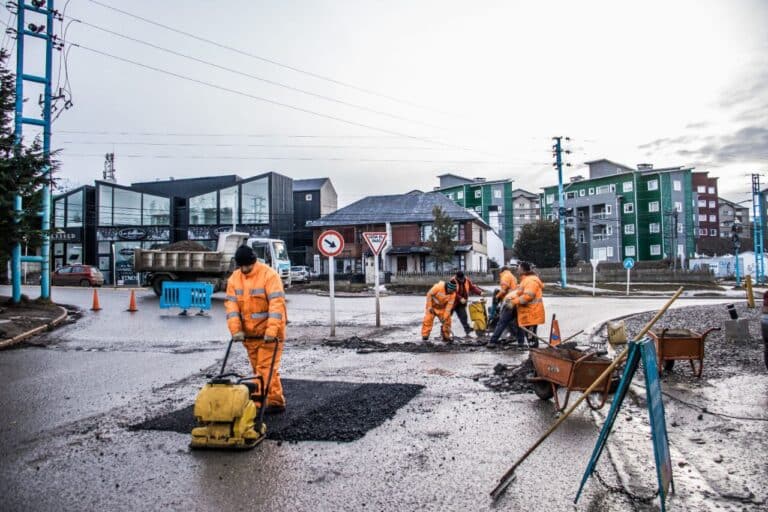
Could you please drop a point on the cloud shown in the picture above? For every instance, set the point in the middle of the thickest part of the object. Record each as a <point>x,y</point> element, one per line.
<point>749,144</point>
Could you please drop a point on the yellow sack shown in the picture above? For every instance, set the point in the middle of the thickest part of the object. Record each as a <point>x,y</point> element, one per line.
<point>478,315</point>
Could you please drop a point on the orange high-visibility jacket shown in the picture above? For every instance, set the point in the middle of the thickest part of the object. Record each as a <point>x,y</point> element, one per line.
<point>440,300</point>
<point>255,303</point>
<point>528,299</point>
<point>507,283</point>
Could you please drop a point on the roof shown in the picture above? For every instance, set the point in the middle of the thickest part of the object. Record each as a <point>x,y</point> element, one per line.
<point>608,161</point>
<point>523,192</point>
<point>308,184</point>
<point>411,207</point>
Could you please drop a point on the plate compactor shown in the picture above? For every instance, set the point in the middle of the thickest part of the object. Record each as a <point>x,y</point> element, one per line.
<point>227,416</point>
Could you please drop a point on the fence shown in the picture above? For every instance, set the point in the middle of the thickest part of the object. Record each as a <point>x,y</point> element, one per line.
<point>609,273</point>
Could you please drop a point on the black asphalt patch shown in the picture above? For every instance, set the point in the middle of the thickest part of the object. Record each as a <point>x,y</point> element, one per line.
<point>316,411</point>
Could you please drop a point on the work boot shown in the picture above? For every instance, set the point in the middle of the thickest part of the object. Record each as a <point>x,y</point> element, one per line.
<point>274,409</point>
<point>448,339</point>
<point>425,338</point>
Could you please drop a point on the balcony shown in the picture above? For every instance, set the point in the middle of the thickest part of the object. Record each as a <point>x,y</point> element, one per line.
<point>599,237</point>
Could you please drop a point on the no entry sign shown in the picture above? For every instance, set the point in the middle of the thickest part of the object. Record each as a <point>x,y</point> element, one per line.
<point>330,243</point>
<point>375,240</point>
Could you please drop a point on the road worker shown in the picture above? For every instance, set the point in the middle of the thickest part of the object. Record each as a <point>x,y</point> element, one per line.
<point>529,303</point>
<point>507,283</point>
<point>440,300</point>
<point>464,287</point>
<point>256,316</point>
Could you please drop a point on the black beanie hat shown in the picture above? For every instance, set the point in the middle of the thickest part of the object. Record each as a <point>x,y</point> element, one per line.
<point>244,256</point>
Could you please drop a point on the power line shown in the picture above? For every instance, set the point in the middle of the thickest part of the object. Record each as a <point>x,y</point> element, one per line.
<point>264,59</point>
<point>238,134</point>
<point>254,77</point>
<point>221,145</point>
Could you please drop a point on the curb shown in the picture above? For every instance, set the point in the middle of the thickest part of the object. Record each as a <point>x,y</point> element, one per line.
<point>23,336</point>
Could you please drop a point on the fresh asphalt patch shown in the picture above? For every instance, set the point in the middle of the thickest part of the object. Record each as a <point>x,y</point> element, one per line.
<point>315,411</point>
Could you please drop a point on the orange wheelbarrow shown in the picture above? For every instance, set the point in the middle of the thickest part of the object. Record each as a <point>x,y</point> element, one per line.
<point>679,344</point>
<point>572,369</point>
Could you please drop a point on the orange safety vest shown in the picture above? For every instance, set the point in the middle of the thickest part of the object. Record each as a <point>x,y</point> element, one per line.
<point>255,303</point>
<point>507,283</point>
<point>529,302</point>
<point>439,299</point>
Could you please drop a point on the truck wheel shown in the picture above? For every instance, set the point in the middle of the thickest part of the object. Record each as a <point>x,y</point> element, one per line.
<point>157,285</point>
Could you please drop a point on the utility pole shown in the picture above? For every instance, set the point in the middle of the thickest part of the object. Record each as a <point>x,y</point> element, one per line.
<point>109,168</point>
<point>43,31</point>
<point>757,229</point>
<point>558,154</point>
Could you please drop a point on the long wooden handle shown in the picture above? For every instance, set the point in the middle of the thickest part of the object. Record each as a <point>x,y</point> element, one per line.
<point>592,387</point>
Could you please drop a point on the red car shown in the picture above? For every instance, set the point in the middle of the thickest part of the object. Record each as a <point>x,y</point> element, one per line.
<point>77,275</point>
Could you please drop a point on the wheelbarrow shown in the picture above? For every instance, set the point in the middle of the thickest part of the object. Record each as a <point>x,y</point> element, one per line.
<point>569,368</point>
<point>679,344</point>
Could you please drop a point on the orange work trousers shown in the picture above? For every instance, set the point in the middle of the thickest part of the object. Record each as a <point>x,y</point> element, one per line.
<point>260,353</point>
<point>429,320</point>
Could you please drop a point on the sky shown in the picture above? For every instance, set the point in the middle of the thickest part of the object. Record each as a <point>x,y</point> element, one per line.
<point>384,96</point>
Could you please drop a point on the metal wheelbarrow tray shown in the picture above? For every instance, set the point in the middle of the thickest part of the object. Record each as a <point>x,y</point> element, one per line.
<point>572,369</point>
<point>679,344</point>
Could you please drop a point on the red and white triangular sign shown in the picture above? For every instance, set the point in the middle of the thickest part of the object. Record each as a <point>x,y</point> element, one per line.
<point>376,241</point>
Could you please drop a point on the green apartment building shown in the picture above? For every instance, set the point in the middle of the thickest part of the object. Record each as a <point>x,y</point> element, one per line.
<point>620,212</point>
<point>491,200</point>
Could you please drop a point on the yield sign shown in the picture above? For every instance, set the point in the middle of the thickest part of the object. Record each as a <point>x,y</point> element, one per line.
<point>376,241</point>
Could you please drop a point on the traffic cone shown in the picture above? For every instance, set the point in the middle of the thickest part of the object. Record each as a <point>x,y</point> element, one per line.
<point>554,332</point>
<point>96,306</point>
<point>132,304</point>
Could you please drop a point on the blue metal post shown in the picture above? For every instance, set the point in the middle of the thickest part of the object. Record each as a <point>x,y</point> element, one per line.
<point>757,229</point>
<point>45,275</point>
<point>561,210</point>
<point>738,272</point>
<point>19,114</point>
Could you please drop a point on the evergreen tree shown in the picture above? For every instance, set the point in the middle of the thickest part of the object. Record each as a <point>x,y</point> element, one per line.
<point>22,172</point>
<point>441,240</point>
<point>539,243</point>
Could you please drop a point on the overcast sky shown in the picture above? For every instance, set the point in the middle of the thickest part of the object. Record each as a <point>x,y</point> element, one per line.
<point>384,96</point>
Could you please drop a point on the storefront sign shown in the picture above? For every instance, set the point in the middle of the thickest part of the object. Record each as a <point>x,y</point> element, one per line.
<point>67,235</point>
<point>212,232</point>
<point>150,233</point>
<point>132,234</point>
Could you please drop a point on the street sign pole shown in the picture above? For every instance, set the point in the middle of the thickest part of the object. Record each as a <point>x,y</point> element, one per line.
<point>376,281</point>
<point>628,271</point>
<point>594,262</point>
<point>629,263</point>
<point>376,241</point>
<point>331,289</point>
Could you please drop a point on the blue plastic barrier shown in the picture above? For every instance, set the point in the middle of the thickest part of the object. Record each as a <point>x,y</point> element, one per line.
<point>186,295</point>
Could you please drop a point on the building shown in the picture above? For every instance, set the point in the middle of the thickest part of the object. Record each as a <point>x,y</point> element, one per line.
<point>527,208</point>
<point>620,212</point>
<point>102,224</point>
<point>707,208</point>
<point>312,199</point>
<point>730,213</point>
<point>491,200</point>
<point>408,219</point>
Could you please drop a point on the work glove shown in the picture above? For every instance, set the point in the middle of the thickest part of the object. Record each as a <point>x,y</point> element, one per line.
<point>271,339</point>
<point>239,337</point>
<point>463,300</point>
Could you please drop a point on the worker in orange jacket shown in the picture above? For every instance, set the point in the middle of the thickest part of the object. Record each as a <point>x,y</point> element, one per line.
<point>507,283</point>
<point>256,316</point>
<point>529,303</point>
<point>439,304</point>
<point>464,287</point>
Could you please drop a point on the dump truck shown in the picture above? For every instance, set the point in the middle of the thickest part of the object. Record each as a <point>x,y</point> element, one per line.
<point>209,266</point>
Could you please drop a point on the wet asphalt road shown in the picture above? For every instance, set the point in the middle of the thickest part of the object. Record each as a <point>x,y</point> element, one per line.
<point>65,444</point>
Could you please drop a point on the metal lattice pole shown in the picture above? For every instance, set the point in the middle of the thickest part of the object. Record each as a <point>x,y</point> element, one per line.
<point>757,230</point>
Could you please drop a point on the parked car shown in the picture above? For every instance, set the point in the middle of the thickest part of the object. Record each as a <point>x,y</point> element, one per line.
<point>77,275</point>
<point>300,274</point>
<point>764,327</point>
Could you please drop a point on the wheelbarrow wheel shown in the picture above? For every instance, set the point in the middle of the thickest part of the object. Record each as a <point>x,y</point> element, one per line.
<point>543,389</point>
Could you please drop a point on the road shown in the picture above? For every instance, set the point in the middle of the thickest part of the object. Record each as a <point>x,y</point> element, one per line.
<point>66,444</point>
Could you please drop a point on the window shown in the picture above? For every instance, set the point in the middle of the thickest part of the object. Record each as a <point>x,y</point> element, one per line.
<point>479,209</point>
<point>712,204</point>
<point>612,187</point>
<point>653,185</point>
<point>581,237</point>
<point>629,229</point>
<point>308,197</point>
<point>654,227</point>
<point>702,218</point>
<point>629,250</point>
<point>713,218</point>
<point>609,251</point>
<point>426,232</point>
<point>702,203</point>
<point>478,194</point>
<point>602,189</point>
<point>550,198</point>
<point>678,206</point>
<point>712,232</point>
<point>656,250</point>
<point>58,213</point>
<point>460,194</point>
<point>582,193</point>
<point>701,189</point>
<point>629,207</point>
<point>608,209</point>
<point>702,232</point>
<point>75,210</point>
<point>157,210</point>
<point>570,195</point>
<point>450,196</point>
<point>497,193</point>
<point>202,209</point>
<point>105,205</point>
<point>126,207</point>
<point>627,186</point>
<point>227,200</point>
<point>653,206</point>
<point>591,191</point>
<point>254,207</point>
<point>711,190</point>
<point>609,230</point>
<point>679,227</point>
<point>677,185</point>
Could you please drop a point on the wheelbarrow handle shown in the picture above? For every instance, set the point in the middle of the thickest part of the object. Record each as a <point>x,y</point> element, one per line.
<point>704,334</point>
<point>584,357</point>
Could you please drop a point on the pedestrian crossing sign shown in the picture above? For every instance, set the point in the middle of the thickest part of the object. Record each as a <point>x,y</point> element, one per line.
<point>376,241</point>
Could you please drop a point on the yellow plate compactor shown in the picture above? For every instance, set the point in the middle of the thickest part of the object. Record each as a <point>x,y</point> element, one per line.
<point>226,415</point>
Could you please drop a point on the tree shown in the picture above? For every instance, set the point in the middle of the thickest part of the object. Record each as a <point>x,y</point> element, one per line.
<point>22,172</point>
<point>713,246</point>
<point>539,243</point>
<point>441,239</point>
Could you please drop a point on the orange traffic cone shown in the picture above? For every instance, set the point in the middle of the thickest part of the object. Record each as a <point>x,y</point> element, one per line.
<point>96,306</point>
<point>132,304</point>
